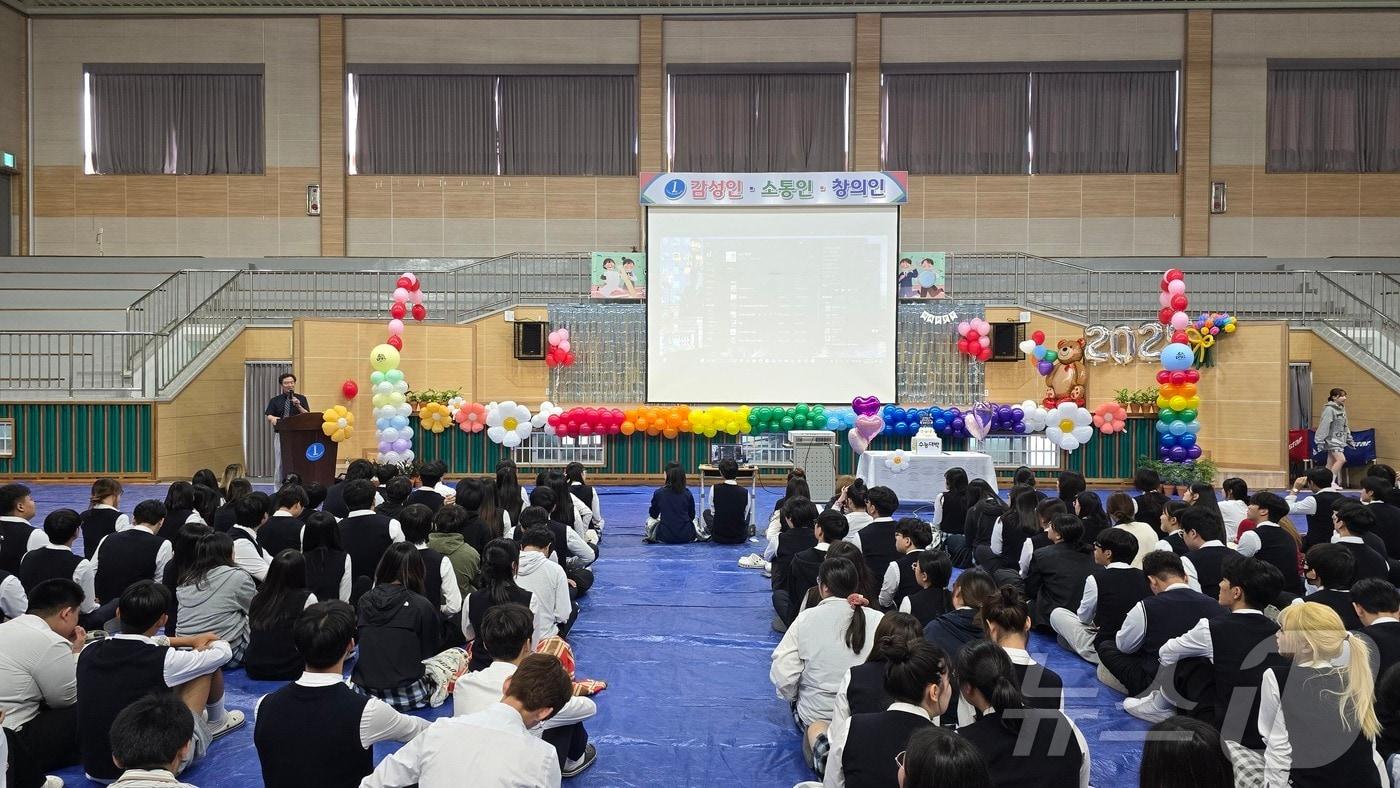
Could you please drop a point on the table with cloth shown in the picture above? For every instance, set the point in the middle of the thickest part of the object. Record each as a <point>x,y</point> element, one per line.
<point>922,478</point>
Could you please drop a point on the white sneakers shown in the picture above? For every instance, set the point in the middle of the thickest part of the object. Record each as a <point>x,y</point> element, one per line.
<point>753,561</point>
<point>53,782</point>
<point>1153,707</point>
<point>233,720</point>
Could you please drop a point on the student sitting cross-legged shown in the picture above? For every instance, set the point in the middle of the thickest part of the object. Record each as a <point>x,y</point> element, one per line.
<point>316,730</point>
<point>731,521</point>
<point>911,537</point>
<point>1109,593</point>
<point>57,559</point>
<point>932,572</point>
<point>38,683</point>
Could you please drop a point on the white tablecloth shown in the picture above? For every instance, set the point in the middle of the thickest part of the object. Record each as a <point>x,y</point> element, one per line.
<point>923,479</point>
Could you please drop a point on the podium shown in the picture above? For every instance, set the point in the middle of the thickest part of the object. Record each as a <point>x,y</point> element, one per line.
<point>306,451</point>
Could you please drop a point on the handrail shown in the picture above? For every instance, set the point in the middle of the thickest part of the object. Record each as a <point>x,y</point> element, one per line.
<point>78,361</point>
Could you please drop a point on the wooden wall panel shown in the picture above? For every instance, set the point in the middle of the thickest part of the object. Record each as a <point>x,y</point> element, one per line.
<point>333,166</point>
<point>1195,174</point>
<point>865,142</point>
<point>651,97</point>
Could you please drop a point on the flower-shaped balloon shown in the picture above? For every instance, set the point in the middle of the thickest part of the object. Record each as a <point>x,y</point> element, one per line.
<point>455,404</point>
<point>897,462</point>
<point>540,421</point>
<point>508,423</point>
<point>1069,426</point>
<point>1036,416</point>
<point>337,423</point>
<point>435,416</point>
<point>471,417</point>
<point>1110,418</point>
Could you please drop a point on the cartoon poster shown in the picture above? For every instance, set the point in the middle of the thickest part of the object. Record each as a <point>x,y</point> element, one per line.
<point>619,275</point>
<point>921,275</point>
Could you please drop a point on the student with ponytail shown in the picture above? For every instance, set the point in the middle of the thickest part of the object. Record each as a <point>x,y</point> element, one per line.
<point>1057,573</point>
<point>496,586</point>
<point>863,689</point>
<point>822,644</point>
<point>864,747</point>
<point>1317,716</point>
<point>1008,624</point>
<point>1024,746</point>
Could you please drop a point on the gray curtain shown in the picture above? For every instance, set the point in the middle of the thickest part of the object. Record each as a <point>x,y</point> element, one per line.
<point>1312,120</point>
<point>1380,121</point>
<point>758,122</point>
<point>186,124</point>
<point>568,125</point>
<point>957,124</point>
<point>425,124</point>
<point>133,123</point>
<point>1104,122</point>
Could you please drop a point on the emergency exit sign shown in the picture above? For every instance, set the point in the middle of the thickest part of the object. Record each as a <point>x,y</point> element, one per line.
<point>7,160</point>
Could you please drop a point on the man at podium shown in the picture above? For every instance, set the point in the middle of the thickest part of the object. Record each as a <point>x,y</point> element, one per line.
<point>288,403</point>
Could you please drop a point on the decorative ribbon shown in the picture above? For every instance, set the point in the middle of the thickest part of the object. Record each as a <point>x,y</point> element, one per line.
<point>1200,343</point>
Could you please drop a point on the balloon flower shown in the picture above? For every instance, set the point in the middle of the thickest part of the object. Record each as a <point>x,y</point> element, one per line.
<point>337,423</point>
<point>508,423</point>
<point>1110,417</point>
<point>470,417</point>
<point>435,416</point>
<point>897,462</point>
<point>1069,426</point>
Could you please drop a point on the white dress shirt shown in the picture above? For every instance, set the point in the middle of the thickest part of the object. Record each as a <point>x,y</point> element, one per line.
<point>451,594</point>
<point>998,540</point>
<point>379,721</point>
<point>37,537</point>
<point>182,665</point>
<point>813,657</point>
<point>1306,506</point>
<point>1196,642</point>
<point>1278,748</point>
<point>889,584</point>
<point>595,508</point>
<point>1193,578</point>
<point>446,491</point>
<point>13,601</point>
<point>1249,543</point>
<point>1134,627</point>
<point>1027,550</point>
<point>37,667</point>
<point>163,554</point>
<point>480,689</point>
<point>492,746</point>
<point>838,732</point>
<point>149,778</point>
<point>856,521</point>
<point>83,574</point>
<point>249,556</point>
<point>1089,603</point>
<point>1233,513</point>
<point>395,529</point>
<point>123,522</point>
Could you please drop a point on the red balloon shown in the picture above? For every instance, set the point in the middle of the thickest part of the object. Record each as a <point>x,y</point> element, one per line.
<point>569,359</point>
<point>419,311</point>
<point>1038,336</point>
<point>1164,377</point>
<point>962,345</point>
<point>1173,274</point>
<point>1192,376</point>
<point>1165,315</point>
<point>1179,303</point>
<point>585,429</point>
<point>405,282</point>
<point>550,361</point>
<point>396,341</point>
<point>1180,337</point>
<point>1178,378</point>
<point>398,310</point>
<point>985,354</point>
<point>1163,284</point>
<point>553,420</point>
<point>349,388</point>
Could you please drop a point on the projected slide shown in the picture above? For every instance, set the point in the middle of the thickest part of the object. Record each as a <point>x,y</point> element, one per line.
<point>771,305</point>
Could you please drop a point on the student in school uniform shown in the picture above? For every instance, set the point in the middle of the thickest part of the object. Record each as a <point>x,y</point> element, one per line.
<point>1122,512</point>
<point>122,668</point>
<point>671,518</point>
<point>137,553</point>
<point>395,494</point>
<point>214,596</point>
<point>799,534</point>
<point>57,559</point>
<point>507,629</point>
<point>876,540</point>
<point>1010,532</point>
<point>226,516</point>
<point>1007,620</point>
<point>17,536</point>
<point>439,581</point>
<point>950,515</point>
<point>587,495</point>
<point>1234,507</point>
<point>38,682</point>
<point>1353,522</point>
<point>272,654</point>
<point>1206,537</point>
<point>1332,570</point>
<point>179,509</point>
<point>1318,506</point>
<point>1374,492</point>
<point>911,537</point>
<point>499,564</point>
<point>959,626</point>
<point>1109,593</point>
<point>150,739</point>
<point>364,534</point>
<point>446,538</point>
<point>335,494</point>
<point>862,690</point>
<point>800,575</point>
<point>430,474</point>
<point>572,550</point>
<point>932,571</point>
<point>316,730</point>
<point>1268,541</point>
<point>1150,501</point>
<point>1172,538</point>
<point>1218,665</point>
<point>249,515</point>
<point>1057,573</point>
<point>731,520</point>
<point>283,529</point>
<point>103,515</point>
<point>1045,512</point>
<point>1377,604</point>
<point>329,574</point>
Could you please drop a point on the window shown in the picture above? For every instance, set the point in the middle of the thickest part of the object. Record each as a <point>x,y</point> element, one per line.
<point>1013,451</point>
<point>7,439</point>
<point>957,124</point>
<point>447,122</point>
<point>173,119</point>
<point>554,450</point>
<point>757,122</point>
<point>1324,116</point>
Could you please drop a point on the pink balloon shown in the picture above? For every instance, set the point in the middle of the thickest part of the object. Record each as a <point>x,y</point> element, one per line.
<point>564,346</point>
<point>858,443</point>
<point>395,328</point>
<point>1164,299</point>
<point>984,341</point>
<point>1176,287</point>
<point>416,296</point>
<point>563,333</point>
<point>554,337</point>
<point>411,277</point>
<point>400,294</point>
<point>1180,321</point>
<point>964,327</point>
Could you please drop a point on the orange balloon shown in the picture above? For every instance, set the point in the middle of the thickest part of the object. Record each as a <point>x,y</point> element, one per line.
<point>685,410</point>
<point>631,415</point>
<point>671,433</point>
<point>643,423</point>
<point>653,430</point>
<point>1188,390</point>
<point>627,428</point>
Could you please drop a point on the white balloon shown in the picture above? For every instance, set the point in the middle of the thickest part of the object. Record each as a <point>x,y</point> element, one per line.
<point>1083,434</point>
<point>1068,443</point>
<point>408,455</point>
<point>1028,346</point>
<point>403,409</point>
<point>510,439</point>
<point>391,457</point>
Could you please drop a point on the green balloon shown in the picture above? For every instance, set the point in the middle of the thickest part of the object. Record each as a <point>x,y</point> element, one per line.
<point>1187,415</point>
<point>802,409</point>
<point>753,417</point>
<point>787,423</point>
<point>819,413</point>
<point>1166,415</point>
<point>1051,355</point>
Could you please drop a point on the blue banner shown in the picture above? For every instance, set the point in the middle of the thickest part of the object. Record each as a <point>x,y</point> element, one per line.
<point>1363,453</point>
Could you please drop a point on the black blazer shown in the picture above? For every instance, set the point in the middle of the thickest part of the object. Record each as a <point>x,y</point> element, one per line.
<point>1056,579</point>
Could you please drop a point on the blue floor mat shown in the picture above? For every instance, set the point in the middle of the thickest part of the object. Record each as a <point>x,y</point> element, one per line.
<point>682,636</point>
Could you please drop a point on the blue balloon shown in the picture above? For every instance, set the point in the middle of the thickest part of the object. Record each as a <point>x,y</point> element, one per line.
<point>1162,428</point>
<point>1188,440</point>
<point>1167,440</point>
<point>1176,357</point>
<point>399,422</point>
<point>907,429</point>
<point>1039,352</point>
<point>899,414</point>
<point>833,422</point>
<point>887,411</point>
<point>958,424</point>
<point>935,413</point>
<point>1193,427</point>
<point>952,413</point>
<point>1017,414</point>
<point>940,424</point>
<point>1178,427</point>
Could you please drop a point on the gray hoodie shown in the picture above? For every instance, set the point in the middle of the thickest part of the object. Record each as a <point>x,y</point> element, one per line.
<point>1333,431</point>
<point>217,603</point>
<point>542,576</point>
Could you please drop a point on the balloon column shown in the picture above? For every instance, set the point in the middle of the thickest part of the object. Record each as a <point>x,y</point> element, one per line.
<point>975,338</point>
<point>391,408</point>
<point>586,421</point>
<point>1178,401</point>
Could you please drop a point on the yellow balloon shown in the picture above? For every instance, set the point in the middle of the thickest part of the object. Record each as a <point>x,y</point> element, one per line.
<point>328,428</point>
<point>1178,403</point>
<point>384,358</point>
<point>1229,328</point>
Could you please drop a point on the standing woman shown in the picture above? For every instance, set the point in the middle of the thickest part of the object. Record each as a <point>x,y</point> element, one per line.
<point>1334,432</point>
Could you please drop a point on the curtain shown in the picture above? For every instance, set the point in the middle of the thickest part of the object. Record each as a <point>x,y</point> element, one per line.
<point>425,124</point>
<point>957,124</point>
<point>713,121</point>
<point>1380,121</point>
<point>186,124</point>
<point>1313,119</point>
<point>566,125</point>
<point>1104,122</point>
<point>133,123</point>
<point>758,122</point>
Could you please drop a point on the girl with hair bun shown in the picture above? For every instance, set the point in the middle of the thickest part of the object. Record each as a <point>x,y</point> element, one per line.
<point>863,688</point>
<point>936,758</point>
<point>1008,624</point>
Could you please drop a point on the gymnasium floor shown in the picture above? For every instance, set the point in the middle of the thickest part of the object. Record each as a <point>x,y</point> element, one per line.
<point>682,636</point>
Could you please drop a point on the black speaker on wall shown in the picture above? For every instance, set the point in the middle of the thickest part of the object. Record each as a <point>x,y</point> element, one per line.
<point>530,340</point>
<point>1005,339</point>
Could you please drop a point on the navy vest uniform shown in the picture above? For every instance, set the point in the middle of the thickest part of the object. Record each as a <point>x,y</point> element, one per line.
<point>1279,549</point>
<point>729,525</point>
<point>311,736</point>
<point>112,674</point>
<point>908,584</point>
<point>1320,524</point>
<point>929,603</point>
<point>324,569</point>
<point>173,520</point>
<point>272,655</point>
<point>1326,751</point>
<point>125,558</point>
<point>365,537</point>
<point>1118,591</point>
<point>877,545</point>
<point>45,564</point>
<point>1243,648</point>
<point>280,532</point>
<point>1172,614</point>
<point>872,743</point>
<point>1043,752</point>
<point>14,543</point>
<point>477,605</point>
<point>96,524</point>
<point>1209,563</point>
<point>432,576</point>
<point>865,692</point>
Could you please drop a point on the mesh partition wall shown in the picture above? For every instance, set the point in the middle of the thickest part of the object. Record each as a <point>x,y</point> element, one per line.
<point>929,369</point>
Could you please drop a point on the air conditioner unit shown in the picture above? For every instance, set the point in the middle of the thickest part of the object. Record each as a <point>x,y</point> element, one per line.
<point>814,451</point>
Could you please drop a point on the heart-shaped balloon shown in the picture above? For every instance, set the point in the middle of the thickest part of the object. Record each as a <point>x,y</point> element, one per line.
<point>869,426</point>
<point>866,406</point>
<point>858,443</point>
<point>978,424</point>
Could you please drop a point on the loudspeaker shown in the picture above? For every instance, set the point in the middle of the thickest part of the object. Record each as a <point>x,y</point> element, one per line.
<point>530,340</point>
<point>1005,339</point>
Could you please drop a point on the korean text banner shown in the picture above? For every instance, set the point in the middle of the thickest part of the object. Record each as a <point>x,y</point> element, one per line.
<point>749,189</point>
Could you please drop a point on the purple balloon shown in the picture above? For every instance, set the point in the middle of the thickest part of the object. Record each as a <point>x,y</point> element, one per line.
<point>401,445</point>
<point>953,412</point>
<point>1193,452</point>
<point>1178,453</point>
<point>1018,428</point>
<point>1017,414</point>
<point>1044,367</point>
<point>958,424</point>
<point>386,446</point>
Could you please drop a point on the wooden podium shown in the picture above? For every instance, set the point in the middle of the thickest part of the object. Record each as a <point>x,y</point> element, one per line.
<point>306,451</point>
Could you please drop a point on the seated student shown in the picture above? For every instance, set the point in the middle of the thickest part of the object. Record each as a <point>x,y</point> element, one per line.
<point>1234,507</point>
<point>936,757</point>
<point>1353,522</point>
<point>1010,533</point>
<point>317,730</point>
<point>1317,507</point>
<point>911,537</point>
<point>1177,741</point>
<point>799,534</point>
<point>400,634</point>
<point>1123,514</point>
<point>214,596</point>
<point>572,550</point>
<point>801,573</point>
<point>185,548</point>
<point>17,536</point>
<point>1377,604</point>
<point>1270,542</point>
<point>249,515</point>
<point>876,540</point>
<point>103,517</point>
<point>862,689</point>
<point>821,645</point>
<point>865,747</point>
<point>226,516</point>
<point>430,474</point>
<point>731,521</point>
<point>1219,663</point>
<point>499,563</point>
<point>671,517</point>
<point>1023,476</point>
<point>1387,474</point>
<point>1206,538</point>
<point>1008,622</point>
<point>364,534</point>
<point>1109,593</point>
<point>1317,716</point>
<point>494,746</point>
<point>151,739</point>
<point>328,569</point>
<point>135,554</point>
<point>1023,745</point>
<point>476,531</point>
<point>1057,573</point>
<point>567,508</point>
<point>586,494</point>
<point>179,509</point>
<point>446,538</point>
<point>984,509</point>
<point>57,559</point>
<point>315,498</point>
<point>507,628</point>
<point>272,652</point>
<point>950,515</point>
<point>1149,501</point>
<point>1173,539</point>
<point>1332,570</point>
<point>1045,512</point>
<point>961,625</point>
<point>1374,491</point>
<point>1089,509</point>
<point>335,503</point>
<point>439,581</point>
<point>283,529</point>
<point>38,682</point>
<point>1129,663</point>
<point>395,492</point>
<point>542,576</point>
<point>115,672</point>
<point>932,571</point>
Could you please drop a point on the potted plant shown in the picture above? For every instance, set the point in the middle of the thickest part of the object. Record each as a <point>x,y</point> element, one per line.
<point>1175,477</point>
<point>1123,397</point>
<point>418,399</point>
<point>1202,472</point>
